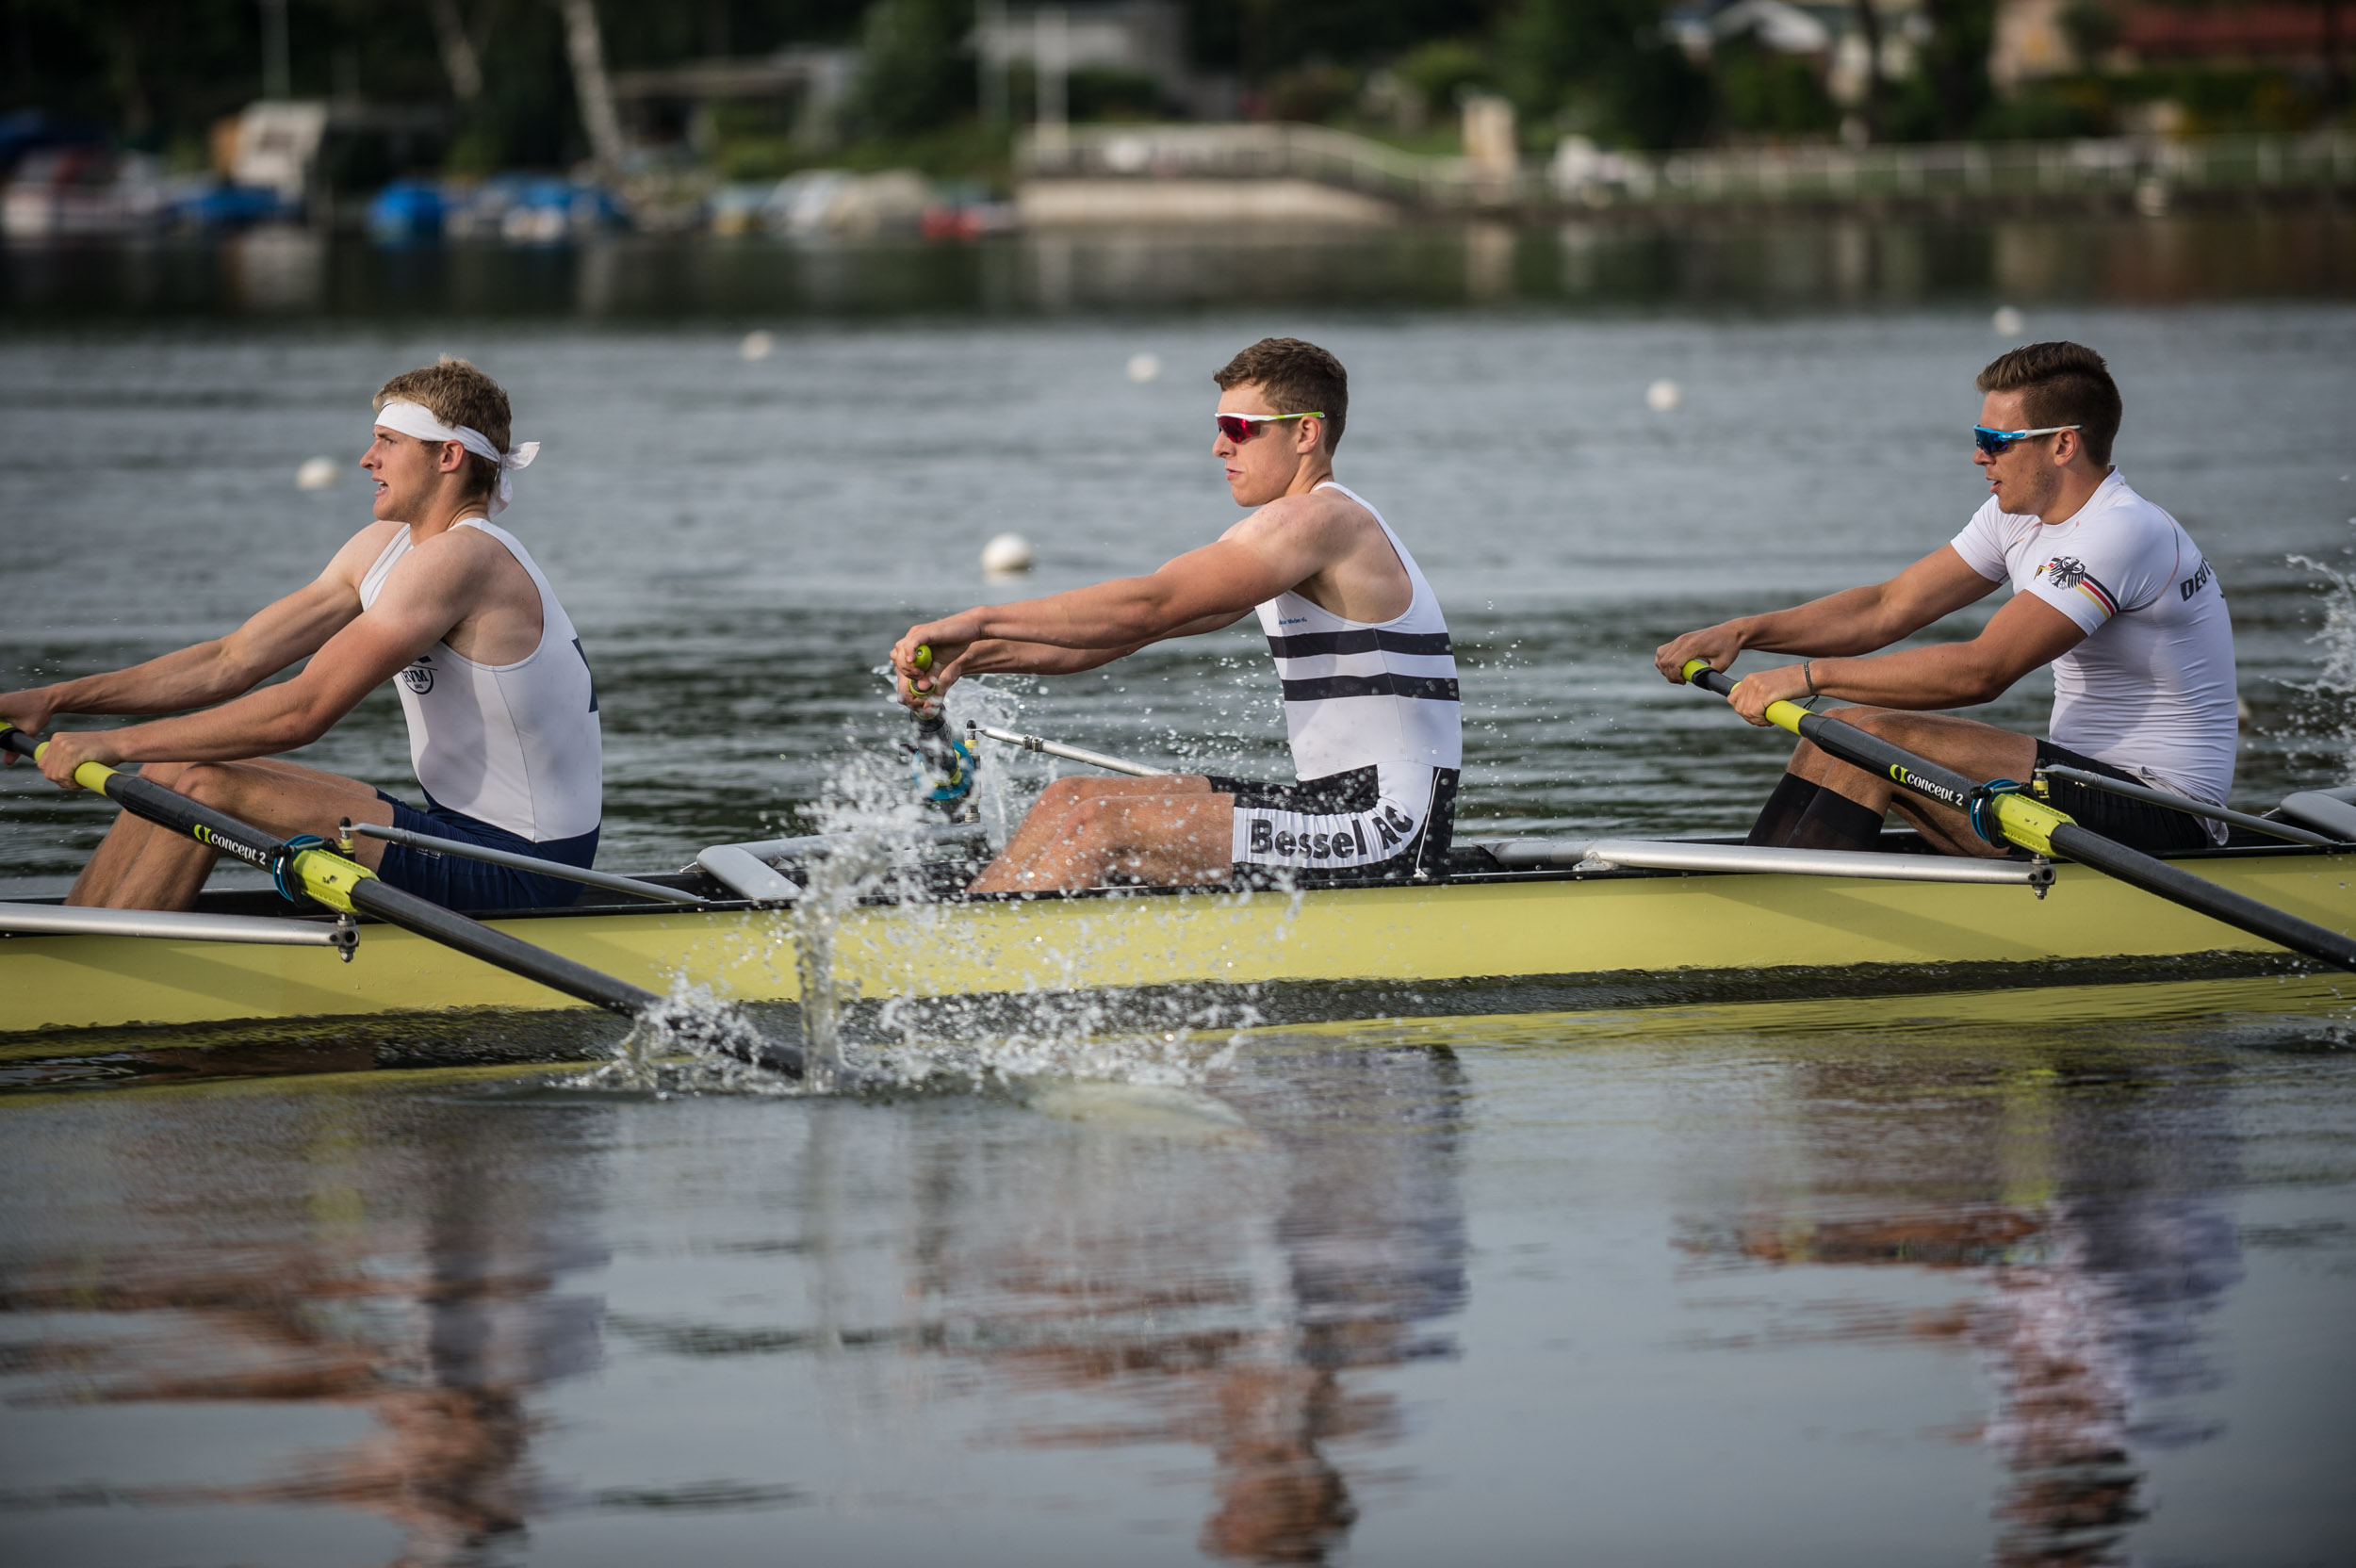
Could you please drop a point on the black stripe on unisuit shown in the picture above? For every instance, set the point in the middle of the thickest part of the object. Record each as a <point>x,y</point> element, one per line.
<point>1365,640</point>
<point>1387,684</point>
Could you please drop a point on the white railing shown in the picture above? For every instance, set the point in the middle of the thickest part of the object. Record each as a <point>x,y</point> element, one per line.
<point>1243,152</point>
<point>1580,174</point>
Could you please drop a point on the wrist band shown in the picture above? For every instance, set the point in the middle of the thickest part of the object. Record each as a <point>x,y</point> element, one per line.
<point>1808,673</point>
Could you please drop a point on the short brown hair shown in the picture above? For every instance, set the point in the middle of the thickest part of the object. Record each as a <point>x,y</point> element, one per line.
<point>2067,384</point>
<point>1296,378</point>
<point>458,394</point>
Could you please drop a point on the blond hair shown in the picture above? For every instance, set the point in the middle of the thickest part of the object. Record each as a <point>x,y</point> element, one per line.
<point>456,393</point>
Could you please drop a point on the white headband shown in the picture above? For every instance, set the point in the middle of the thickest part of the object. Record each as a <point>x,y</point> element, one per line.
<point>419,420</point>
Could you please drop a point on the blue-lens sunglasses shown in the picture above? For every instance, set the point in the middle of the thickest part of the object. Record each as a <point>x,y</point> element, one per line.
<point>1996,442</point>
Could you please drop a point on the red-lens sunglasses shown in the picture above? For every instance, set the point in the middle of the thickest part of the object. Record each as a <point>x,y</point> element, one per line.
<point>1240,428</point>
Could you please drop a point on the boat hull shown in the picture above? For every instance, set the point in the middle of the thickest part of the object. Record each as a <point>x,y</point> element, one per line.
<point>1369,940</point>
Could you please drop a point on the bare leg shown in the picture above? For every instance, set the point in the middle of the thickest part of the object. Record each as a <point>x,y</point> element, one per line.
<point>1967,745</point>
<point>1166,831</point>
<point>141,866</point>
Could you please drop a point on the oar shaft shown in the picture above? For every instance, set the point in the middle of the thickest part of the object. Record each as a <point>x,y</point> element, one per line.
<point>2041,828</point>
<point>1073,754</point>
<point>496,948</point>
<point>333,879</point>
<point>167,808</point>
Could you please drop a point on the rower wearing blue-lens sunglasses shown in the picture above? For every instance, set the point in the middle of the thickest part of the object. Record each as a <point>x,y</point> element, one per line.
<point>1996,442</point>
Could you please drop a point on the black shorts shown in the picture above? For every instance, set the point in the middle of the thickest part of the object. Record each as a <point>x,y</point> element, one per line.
<point>2153,830</point>
<point>1387,823</point>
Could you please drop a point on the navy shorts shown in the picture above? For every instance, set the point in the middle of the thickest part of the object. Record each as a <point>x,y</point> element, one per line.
<point>473,886</point>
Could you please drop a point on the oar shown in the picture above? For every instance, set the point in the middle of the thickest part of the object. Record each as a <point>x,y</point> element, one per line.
<point>2039,829</point>
<point>1028,742</point>
<point>944,764</point>
<point>343,884</point>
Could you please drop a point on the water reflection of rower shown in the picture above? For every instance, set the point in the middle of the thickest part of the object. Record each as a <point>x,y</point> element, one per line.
<point>1230,1292</point>
<point>423,1291</point>
<point>2100,1246</point>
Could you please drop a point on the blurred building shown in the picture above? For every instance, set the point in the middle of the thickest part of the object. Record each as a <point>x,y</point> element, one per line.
<point>2037,39</point>
<point>804,90</point>
<point>1144,39</point>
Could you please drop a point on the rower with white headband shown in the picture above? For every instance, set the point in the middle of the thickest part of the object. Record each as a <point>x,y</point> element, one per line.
<point>502,712</point>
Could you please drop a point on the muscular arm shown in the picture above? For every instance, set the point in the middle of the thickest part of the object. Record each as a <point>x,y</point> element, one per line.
<point>205,673</point>
<point>1855,621</point>
<point>427,595</point>
<point>2026,633</point>
<point>1284,544</point>
<point>215,671</point>
<point>998,656</point>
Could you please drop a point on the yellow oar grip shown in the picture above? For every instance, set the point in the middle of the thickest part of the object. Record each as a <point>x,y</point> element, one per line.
<point>1783,715</point>
<point>325,877</point>
<point>90,776</point>
<point>923,660</point>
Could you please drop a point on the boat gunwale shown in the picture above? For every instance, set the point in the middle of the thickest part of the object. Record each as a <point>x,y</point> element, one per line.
<point>1515,876</point>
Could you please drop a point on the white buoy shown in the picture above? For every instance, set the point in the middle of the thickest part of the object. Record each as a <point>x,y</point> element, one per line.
<point>319,473</point>
<point>1144,368</point>
<point>757,345</point>
<point>2007,321</point>
<point>1007,555</point>
<point>1665,396</point>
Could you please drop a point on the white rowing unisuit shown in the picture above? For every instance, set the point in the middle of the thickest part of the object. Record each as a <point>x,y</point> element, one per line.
<point>515,745</point>
<point>2151,688</point>
<point>1359,697</point>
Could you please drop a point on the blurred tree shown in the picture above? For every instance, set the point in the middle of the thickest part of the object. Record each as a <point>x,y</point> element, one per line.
<point>1603,66</point>
<point>1954,65</point>
<point>1437,72</point>
<point>1262,38</point>
<point>1762,92</point>
<point>912,77</point>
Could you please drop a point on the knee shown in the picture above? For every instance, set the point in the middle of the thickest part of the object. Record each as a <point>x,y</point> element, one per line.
<point>1093,821</point>
<point>206,783</point>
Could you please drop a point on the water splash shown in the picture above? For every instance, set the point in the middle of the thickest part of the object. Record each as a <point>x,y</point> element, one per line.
<point>690,1042</point>
<point>2330,705</point>
<point>834,884</point>
<point>1175,1039</point>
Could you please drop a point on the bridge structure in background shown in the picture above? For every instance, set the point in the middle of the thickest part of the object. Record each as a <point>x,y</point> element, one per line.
<point>1186,172</point>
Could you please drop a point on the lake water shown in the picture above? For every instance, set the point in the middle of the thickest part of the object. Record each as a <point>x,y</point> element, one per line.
<point>2054,1279</point>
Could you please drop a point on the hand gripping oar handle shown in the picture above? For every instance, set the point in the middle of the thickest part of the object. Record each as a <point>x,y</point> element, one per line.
<point>945,763</point>
<point>2039,827</point>
<point>342,884</point>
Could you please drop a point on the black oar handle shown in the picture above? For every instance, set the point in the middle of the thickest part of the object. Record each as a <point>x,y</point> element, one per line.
<point>2082,844</point>
<point>1870,752</point>
<point>169,809</point>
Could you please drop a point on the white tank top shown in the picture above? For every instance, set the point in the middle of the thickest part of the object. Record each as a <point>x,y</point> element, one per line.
<point>1359,696</point>
<point>515,745</point>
